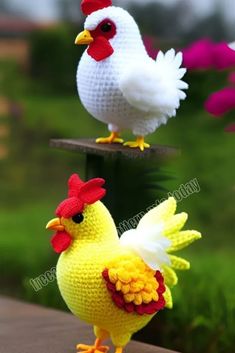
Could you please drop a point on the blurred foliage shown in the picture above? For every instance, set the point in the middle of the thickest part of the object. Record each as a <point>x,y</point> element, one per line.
<point>70,10</point>
<point>175,22</point>
<point>54,58</point>
<point>213,26</point>
<point>154,19</point>
<point>178,22</point>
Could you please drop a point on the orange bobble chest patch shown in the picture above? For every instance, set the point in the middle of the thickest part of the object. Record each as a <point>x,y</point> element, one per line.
<point>138,290</point>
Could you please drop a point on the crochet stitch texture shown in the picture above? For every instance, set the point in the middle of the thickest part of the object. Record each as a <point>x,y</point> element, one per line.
<point>127,89</point>
<point>108,283</point>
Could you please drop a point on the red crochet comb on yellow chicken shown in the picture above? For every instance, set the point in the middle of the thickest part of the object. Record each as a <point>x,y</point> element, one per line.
<point>117,285</point>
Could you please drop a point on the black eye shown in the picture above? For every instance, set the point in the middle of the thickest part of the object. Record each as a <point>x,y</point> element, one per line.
<point>106,27</point>
<point>78,218</point>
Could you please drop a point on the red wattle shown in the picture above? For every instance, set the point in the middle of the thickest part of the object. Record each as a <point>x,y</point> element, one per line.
<point>61,241</point>
<point>100,49</point>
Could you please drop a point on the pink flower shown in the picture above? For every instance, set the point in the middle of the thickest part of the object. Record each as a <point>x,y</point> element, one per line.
<point>221,102</point>
<point>204,54</point>
<point>224,56</point>
<point>199,55</point>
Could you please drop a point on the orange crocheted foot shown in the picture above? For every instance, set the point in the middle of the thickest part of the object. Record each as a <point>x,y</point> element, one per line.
<point>96,348</point>
<point>113,138</point>
<point>139,143</point>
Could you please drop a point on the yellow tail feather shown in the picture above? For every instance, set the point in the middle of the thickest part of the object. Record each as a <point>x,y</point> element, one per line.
<point>178,263</point>
<point>182,239</point>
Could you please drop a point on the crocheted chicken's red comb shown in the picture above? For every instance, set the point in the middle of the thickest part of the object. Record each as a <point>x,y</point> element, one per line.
<point>80,193</point>
<point>89,6</point>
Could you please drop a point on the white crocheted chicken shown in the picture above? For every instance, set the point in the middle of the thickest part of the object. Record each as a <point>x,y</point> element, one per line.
<point>118,83</point>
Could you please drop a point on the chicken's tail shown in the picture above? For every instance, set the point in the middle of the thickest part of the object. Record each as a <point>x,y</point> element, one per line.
<point>179,240</point>
<point>171,230</point>
<point>171,85</point>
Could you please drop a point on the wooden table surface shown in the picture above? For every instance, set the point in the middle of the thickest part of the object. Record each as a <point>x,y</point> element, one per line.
<point>27,328</point>
<point>89,146</point>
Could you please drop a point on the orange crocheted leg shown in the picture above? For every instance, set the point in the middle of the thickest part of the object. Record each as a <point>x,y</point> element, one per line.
<point>113,138</point>
<point>119,350</point>
<point>96,348</point>
<point>101,333</point>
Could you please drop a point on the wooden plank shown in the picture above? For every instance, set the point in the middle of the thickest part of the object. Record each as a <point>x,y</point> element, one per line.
<point>30,328</point>
<point>89,146</point>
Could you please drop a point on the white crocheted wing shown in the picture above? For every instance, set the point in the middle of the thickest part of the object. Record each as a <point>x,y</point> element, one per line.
<point>155,86</point>
<point>158,235</point>
<point>151,245</point>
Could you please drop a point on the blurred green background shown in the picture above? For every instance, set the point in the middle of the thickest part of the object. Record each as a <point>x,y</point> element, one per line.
<point>38,100</point>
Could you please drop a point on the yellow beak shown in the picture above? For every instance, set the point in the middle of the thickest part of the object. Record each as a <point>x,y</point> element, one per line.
<point>55,224</point>
<point>84,38</point>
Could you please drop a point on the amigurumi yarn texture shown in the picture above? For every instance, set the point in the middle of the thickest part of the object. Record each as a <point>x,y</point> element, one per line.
<point>117,285</point>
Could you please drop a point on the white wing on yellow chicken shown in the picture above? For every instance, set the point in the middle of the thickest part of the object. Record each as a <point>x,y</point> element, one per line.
<point>156,237</point>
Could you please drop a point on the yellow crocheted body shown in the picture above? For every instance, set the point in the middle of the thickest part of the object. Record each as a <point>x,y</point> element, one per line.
<point>79,275</point>
<point>96,271</point>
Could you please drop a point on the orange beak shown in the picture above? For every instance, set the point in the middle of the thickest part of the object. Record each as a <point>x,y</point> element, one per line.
<point>84,38</point>
<point>55,224</point>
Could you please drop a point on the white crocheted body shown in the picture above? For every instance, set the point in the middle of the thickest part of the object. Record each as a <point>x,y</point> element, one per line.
<point>98,86</point>
<point>120,89</point>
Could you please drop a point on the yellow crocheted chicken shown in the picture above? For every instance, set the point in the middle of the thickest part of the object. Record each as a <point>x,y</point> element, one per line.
<point>117,285</point>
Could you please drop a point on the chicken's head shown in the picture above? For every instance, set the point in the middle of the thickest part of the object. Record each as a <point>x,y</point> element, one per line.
<point>81,217</point>
<point>107,29</point>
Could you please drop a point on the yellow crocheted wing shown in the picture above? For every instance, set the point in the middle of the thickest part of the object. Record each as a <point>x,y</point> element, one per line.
<point>133,286</point>
<point>172,225</point>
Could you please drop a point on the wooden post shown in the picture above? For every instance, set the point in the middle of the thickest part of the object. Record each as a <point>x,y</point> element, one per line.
<point>125,171</point>
<point>94,165</point>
